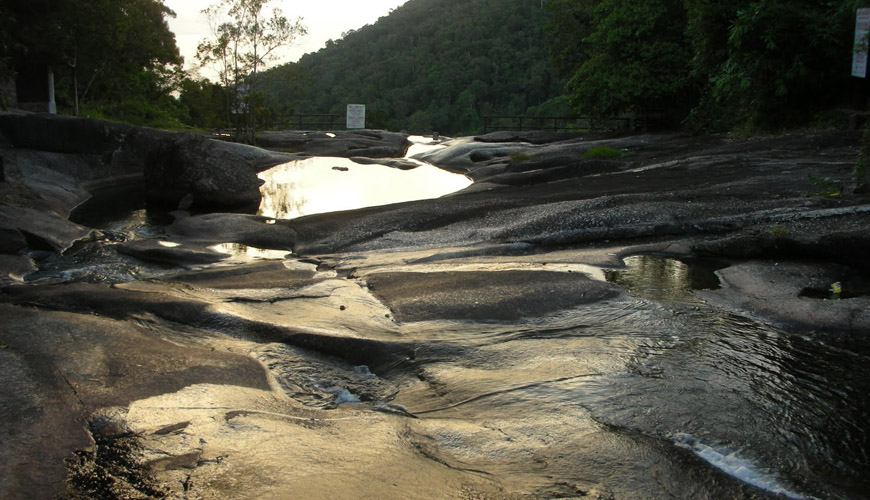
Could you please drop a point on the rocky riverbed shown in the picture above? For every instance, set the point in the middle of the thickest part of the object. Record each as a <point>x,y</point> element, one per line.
<point>540,334</point>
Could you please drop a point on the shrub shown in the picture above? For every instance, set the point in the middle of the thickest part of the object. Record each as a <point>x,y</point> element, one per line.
<point>603,152</point>
<point>518,156</point>
<point>828,187</point>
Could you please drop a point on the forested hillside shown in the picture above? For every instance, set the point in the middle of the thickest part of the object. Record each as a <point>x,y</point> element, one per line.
<point>441,65</point>
<point>431,65</point>
<point>710,66</point>
<point>111,58</point>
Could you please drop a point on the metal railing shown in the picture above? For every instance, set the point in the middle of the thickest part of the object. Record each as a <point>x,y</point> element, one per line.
<point>492,123</point>
<point>310,122</point>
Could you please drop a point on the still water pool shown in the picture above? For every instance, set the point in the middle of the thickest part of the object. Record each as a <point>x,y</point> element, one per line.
<point>325,184</point>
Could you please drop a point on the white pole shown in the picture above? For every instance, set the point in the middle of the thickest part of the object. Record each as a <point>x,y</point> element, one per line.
<point>52,106</point>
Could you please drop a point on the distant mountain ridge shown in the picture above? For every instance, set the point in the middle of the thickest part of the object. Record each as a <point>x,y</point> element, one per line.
<point>430,65</point>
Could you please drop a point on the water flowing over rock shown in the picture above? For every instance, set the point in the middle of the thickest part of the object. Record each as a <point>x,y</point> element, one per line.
<point>687,318</point>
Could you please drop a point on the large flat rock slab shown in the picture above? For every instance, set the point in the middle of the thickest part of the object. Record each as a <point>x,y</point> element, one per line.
<point>342,143</point>
<point>485,296</point>
<point>251,230</point>
<point>42,230</point>
<point>461,347</point>
<point>798,294</point>
<point>60,367</point>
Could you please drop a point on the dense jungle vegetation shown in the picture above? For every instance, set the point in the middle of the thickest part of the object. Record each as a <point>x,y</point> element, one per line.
<point>706,65</point>
<point>432,65</point>
<point>441,65</point>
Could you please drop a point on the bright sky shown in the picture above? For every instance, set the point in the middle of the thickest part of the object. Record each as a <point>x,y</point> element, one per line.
<point>325,20</point>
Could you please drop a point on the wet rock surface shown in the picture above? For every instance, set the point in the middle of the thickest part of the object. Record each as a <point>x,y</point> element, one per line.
<point>482,296</point>
<point>472,346</point>
<point>343,143</point>
<point>54,157</point>
<point>214,173</point>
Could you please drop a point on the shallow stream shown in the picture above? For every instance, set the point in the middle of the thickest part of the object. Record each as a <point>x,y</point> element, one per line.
<point>716,405</point>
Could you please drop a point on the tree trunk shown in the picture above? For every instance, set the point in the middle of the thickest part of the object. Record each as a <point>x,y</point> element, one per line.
<point>74,65</point>
<point>75,93</point>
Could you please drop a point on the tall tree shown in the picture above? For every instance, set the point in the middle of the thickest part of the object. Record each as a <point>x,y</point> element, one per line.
<point>98,46</point>
<point>244,41</point>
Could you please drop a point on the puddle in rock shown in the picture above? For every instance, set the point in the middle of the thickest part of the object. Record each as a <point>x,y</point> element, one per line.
<point>660,278</point>
<point>325,184</point>
<point>851,288</point>
<point>121,209</point>
<point>245,252</point>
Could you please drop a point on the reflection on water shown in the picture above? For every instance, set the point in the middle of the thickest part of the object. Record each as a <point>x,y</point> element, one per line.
<point>660,278</point>
<point>653,402</point>
<point>678,395</point>
<point>792,404</point>
<point>240,251</point>
<point>315,185</point>
<point>421,144</point>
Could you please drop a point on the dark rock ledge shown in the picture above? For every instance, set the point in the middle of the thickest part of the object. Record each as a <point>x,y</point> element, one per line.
<point>51,164</point>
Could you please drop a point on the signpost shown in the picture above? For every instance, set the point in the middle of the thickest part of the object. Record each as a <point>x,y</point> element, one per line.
<point>356,115</point>
<point>859,56</point>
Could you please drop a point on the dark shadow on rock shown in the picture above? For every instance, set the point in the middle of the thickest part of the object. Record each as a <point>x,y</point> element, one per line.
<point>69,365</point>
<point>176,254</point>
<point>341,143</point>
<point>485,296</point>
<point>251,230</point>
<point>120,304</point>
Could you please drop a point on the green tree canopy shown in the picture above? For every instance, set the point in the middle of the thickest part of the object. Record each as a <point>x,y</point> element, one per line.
<point>100,50</point>
<point>569,23</point>
<point>244,40</point>
<point>722,63</point>
<point>431,65</point>
<point>637,60</point>
<point>781,61</point>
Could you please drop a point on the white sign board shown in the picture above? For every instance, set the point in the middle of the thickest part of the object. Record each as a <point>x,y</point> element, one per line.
<point>859,56</point>
<point>356,116</point>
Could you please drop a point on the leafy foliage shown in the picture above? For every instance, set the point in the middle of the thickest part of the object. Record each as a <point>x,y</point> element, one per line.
<point>637,59</point>
<point>102,51</point>
<point>569,23</point>
<point>603,152</point>
<point>205,102</point>
<point>722,64</point>
<point>519,156</point>
<point>827,187</point>
<point>779,63</point>
<point>441,65</point>
<point>431,65</point>
<point>244,41</point>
